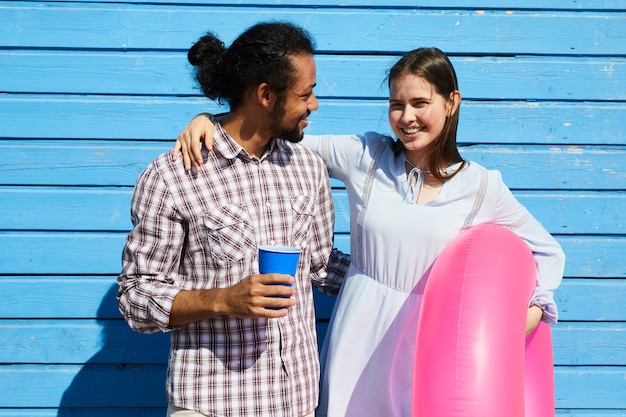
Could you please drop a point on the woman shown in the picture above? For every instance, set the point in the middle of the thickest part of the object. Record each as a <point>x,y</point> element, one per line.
<point>408,199</point>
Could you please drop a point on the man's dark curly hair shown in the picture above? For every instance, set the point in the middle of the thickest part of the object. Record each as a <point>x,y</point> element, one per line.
<point>262,54</point>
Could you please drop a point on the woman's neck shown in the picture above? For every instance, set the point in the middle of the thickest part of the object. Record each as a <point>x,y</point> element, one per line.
<point>416,161</point>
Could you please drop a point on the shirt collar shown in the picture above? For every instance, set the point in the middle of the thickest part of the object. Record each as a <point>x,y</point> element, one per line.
<point>226,145</point>
<point>230,149</point>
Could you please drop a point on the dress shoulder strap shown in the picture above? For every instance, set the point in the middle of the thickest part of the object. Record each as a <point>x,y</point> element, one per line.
<point>367,189</point>
<point>478,201</point>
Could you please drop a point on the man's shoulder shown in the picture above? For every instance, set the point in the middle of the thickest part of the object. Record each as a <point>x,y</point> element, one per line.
<point>300,151</point>
<point>164,163</point>
<point>164,169</point>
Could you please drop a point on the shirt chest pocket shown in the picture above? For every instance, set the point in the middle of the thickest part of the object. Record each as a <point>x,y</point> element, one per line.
<point>302,220</point>
<point>230,233</point>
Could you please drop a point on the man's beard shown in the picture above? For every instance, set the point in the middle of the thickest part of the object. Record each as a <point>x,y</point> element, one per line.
<point>293,135</point>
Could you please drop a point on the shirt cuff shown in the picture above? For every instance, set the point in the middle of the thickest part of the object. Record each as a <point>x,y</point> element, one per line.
<point>545,300</point>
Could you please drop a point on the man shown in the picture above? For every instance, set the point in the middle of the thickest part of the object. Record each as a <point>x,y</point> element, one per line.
<point>190,264</point>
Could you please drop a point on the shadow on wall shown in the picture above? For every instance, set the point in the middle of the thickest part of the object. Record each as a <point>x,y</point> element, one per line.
<point>127,375</point>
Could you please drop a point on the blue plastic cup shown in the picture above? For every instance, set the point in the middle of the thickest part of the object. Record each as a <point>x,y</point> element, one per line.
<point>278,260</point>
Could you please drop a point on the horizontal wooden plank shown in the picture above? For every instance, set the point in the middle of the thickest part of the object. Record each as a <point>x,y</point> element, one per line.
<point>99,253</point>
<point>51,253</point>
<point>160,412</point>
<point>82,117</point>
<point>570,412</point>
<point>601,261</point>
<point>108,209</point>
<point>80,341</point>
<point>119,163</point>
<point>72,252</point>
<point>90,163</point>
<point>589,343</point>
<point>82,386</point>
<point>93,297</point>
<point>65,208</point>
<point>592,300</point>
<point>121,26</point>
<point>92,209</point>
<point>485,78</point>
<point>577,212</point>
<point>87,411</point>
<point>77,297</point>
<point>100,342</point>
<point>590,387</point>
<point>461,4</point>
<point>571,167</point>
<point>76,117</point>
<point>150,73</point>
<point>142,386</point>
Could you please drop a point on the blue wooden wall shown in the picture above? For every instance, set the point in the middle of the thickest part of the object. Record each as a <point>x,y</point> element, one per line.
<point>91,91</point>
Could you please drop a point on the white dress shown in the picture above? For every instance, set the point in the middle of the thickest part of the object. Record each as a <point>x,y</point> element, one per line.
<point>367,356</point>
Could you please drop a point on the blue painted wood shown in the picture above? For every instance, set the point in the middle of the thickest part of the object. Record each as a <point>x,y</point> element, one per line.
<point>92,412</point>
<point>112,163</point>
<point>160,412</point>
<point>142,386</point>
<point>593,300</point>
<point>61,253</point>
<point>590,387</point>
<point>578,299</point>
<point>140,26</point>
<point>606,5</point>
<point>82,385</point>
<point>90,297</point>
<point>99,253</point>
<point>95,342</point>
<point>60,297</point>
<point>91,91</point>
<point>98,342</point>
<point>74,117</point>
<point>589,343</point>
<point>94,297</point>
<point>66,208</point>
<point>168,73</point>
<point>108,209</point>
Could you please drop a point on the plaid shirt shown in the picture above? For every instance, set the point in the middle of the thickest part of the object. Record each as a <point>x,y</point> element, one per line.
<point>201,233</point>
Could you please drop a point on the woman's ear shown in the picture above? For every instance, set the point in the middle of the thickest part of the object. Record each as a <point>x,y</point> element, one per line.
<point>453,102</point>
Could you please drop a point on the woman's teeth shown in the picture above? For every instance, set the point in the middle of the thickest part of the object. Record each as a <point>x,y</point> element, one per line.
<point>411,131</point>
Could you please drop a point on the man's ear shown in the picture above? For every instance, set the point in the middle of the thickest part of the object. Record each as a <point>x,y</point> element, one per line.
<point>265,95</point>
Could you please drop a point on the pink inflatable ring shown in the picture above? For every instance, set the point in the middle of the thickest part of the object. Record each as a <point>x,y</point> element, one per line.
<point>472,358</point>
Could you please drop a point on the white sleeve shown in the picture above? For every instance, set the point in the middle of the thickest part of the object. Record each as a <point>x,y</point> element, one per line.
<point>339,152</point>
<point>549,255</point>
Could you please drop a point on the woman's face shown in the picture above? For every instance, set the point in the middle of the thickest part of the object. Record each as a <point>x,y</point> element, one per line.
<point>417,113</point>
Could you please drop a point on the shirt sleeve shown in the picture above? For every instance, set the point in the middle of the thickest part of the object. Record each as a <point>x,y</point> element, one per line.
<point>329,282</point>
<point>328,265</point>
<point>339,152</point>
<point>150,257</point>
<point>548,254</point>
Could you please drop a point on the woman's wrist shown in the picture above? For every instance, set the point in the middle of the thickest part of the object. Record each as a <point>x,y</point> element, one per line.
<point>540,307</point>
